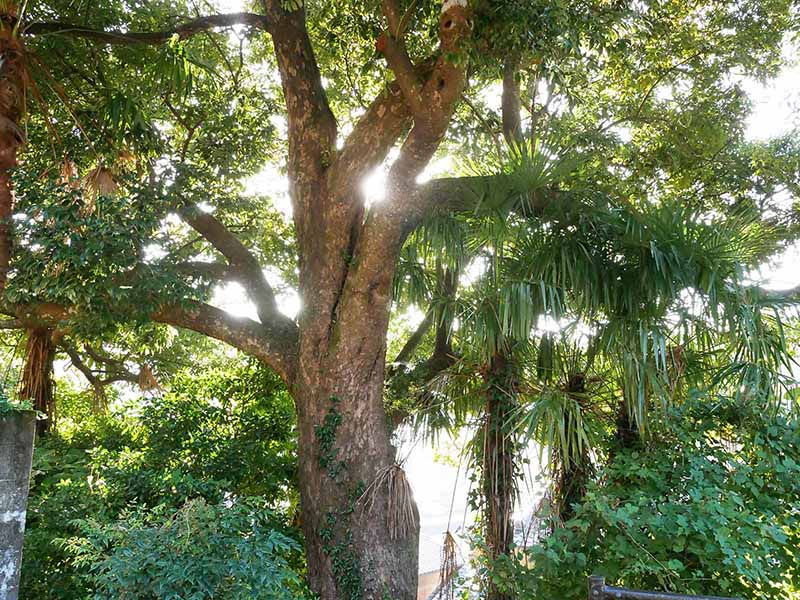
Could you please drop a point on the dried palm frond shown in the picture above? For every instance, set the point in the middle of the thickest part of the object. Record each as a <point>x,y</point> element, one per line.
<point>101,182</point>
<point>126,156</point>
<point>446,590</point>
<point>147,381</point>
<point>401,514</point>
<point>126,162</point>
<point>68,175</point>
<point>9,8</point>
<point>36,383</point>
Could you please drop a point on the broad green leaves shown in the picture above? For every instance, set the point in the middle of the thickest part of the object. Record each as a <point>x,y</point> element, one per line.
<point>199,552</point>
<point>707,507</point>
<point>223,442</point>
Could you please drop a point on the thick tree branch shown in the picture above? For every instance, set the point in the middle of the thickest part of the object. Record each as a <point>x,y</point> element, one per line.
<point>98,384</point>
<point>511,103</point>
<point>96,356</point>
<point>242,263</point>
<point>274,343</point>
<point>415,339</point>
<point>482,192</point>
<point>312,126</point>
<point>391,10</point>
<point>388,224</point>
<point>44,314</point>
<point>373,136</point>
<point>442,356</point>
<point>128,38</point>
<point>375,133</point>
<point>214,271</point>
<point>391,45</point>
<point>78,363</point>
<point>439,97</point>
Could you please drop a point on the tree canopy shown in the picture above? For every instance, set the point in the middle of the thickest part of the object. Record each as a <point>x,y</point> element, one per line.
<point>583,163</point>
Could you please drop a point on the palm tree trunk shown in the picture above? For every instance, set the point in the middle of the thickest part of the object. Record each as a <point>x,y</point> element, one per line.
<point>627,432</point>
<point>36,384</point>
<point>499,462</point>
<point>576,470</point>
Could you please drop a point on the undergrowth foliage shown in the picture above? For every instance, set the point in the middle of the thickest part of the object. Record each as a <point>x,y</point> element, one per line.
<point>196,552</point>
<point>709,505</point>
<point>143,501</point>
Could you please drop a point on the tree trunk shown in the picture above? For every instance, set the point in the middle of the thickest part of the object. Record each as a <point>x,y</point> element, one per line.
<point>36,384</point>
<point>499,469</point>
<point>627,433</point>
<point>12,94</point>
<point>344,446</point>
<point>575,475</point>
<point>345,442</point>
<point>575,470</point>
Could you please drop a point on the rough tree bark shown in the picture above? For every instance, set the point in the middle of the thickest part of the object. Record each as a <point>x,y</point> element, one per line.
<point>333,357</point>
<point>346,269</point>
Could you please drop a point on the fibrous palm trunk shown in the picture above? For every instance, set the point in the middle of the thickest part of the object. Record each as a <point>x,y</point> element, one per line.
<point>499,468</point>
<point>36,383</point>
<point>627,432</point>
<point>576,467</point>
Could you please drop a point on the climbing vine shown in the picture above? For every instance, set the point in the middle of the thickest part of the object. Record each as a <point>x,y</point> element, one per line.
<point>326,438</point>
<point>336,535</point>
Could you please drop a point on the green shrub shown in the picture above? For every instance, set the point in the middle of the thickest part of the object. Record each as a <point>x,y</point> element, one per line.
<point>198,552</point>
<point>711,505</point>
<point>228,434</point>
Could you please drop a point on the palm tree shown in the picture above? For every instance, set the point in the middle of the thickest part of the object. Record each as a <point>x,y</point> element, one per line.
<point>660,293</point>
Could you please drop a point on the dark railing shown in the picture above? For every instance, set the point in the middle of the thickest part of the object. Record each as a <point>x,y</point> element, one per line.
<point>598,590</point>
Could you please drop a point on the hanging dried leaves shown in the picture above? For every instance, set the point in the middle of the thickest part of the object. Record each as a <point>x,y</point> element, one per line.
<point>401,515</point>
<point>68,175</point>
<point>446,590</point>
<point>36,383</point>
<point>147,381</point>
<point>101,182</point>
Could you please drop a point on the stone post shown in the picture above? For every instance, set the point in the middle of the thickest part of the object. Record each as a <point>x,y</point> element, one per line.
<point>17,431</point>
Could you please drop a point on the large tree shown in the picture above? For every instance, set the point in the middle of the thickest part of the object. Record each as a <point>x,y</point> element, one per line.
<point>171,137</point>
